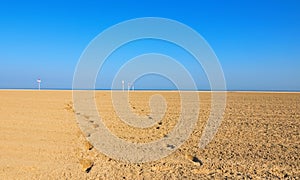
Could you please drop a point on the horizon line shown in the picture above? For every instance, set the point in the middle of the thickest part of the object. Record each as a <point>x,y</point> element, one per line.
<point>126,90</point>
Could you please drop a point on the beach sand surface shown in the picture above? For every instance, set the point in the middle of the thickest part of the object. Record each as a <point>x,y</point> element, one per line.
<point>40,138</point>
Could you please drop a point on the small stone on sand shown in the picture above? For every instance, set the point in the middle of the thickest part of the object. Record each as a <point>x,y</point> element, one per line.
<point>86,165</point>
<point>193,159</point>
<point>88,145</point>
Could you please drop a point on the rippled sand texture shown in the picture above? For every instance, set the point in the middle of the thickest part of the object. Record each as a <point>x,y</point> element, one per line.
<point>40,138</point>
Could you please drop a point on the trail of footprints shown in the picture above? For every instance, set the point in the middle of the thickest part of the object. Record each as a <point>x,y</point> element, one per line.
<point>86,154</point>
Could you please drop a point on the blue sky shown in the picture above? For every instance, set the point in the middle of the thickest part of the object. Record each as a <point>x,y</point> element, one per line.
<point>257,42</point>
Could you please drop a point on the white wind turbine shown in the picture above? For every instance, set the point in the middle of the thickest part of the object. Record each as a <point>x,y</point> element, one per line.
<point>39,83</point>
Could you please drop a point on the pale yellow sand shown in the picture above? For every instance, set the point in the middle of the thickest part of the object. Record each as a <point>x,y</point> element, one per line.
<point>40,138</point>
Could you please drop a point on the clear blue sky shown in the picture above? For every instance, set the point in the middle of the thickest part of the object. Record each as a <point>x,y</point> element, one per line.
<point>257,42</point>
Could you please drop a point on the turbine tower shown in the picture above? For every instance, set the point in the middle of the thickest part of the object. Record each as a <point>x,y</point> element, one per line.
<point>39,83</point>
<point>128,86</point>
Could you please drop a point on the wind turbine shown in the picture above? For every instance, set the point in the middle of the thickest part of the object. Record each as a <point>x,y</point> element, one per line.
<point>39,83</point>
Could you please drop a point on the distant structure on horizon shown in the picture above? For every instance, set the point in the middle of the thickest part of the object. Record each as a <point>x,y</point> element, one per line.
<point>130,86</point>
<point>39,83</point>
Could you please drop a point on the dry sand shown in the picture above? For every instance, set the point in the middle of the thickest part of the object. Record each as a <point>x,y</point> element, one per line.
<point>258,137</point>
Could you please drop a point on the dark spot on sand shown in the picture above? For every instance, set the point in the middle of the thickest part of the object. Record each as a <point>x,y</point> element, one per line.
<point>171,146</point>
<point>196,160</point>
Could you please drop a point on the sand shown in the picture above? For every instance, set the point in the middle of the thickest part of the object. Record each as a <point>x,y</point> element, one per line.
<point>40,138</point>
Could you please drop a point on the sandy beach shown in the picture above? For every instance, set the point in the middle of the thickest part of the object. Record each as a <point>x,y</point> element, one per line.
<point>258,138</point>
